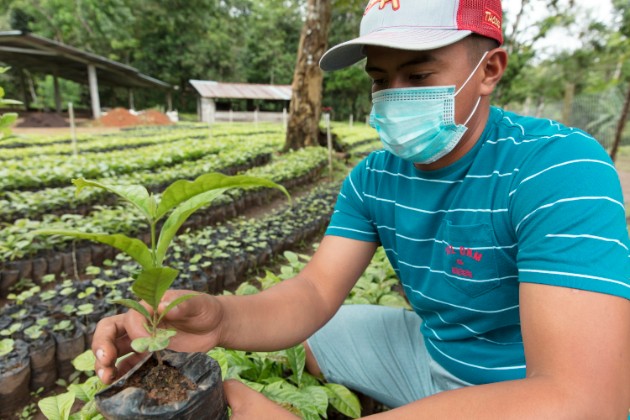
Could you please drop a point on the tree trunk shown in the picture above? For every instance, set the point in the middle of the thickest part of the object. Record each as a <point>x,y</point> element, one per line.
<point>306,98</point>
<point>621,125</point>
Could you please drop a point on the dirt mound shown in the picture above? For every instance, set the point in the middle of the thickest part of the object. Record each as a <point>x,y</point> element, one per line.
<point>153,117</point>
<point>118,117</point>
<point>43,119</point>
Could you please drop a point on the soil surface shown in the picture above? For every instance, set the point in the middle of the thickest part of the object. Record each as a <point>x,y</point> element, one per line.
<point>118,117</point>
<point>43,119</point>
<point>163,383</point>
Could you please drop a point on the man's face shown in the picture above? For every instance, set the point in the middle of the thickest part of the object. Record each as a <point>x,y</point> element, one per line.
<point>390,68</point>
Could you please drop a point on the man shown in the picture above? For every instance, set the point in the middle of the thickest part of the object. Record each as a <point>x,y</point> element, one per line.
<point>508,235</point>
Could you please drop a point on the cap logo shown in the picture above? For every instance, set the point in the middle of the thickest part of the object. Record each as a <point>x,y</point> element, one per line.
<point>491,18</point>
<point>381,4</point>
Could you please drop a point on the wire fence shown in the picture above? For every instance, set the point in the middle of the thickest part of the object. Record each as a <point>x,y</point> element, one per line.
<point>598,114</point>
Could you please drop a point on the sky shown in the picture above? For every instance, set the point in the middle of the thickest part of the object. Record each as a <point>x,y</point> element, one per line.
<point>560,39</point>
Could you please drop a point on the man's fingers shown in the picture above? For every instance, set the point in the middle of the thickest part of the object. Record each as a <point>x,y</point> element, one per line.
<point>111,340</point>
<point>185,309</point>
<point>237,394</point>
<point>108,332</point>
<point>248,404</point>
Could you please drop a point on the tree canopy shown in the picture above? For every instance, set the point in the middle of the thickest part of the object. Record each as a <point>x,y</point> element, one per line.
<point>257,41</point>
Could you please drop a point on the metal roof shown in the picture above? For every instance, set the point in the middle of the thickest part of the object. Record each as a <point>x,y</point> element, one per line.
<point>42,55</point>
<point>212,89</point>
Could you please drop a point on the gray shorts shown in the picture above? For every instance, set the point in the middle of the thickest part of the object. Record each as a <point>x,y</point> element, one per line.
<point>379,351</point>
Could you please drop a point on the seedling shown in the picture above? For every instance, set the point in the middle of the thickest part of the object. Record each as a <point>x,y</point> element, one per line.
<point>180,200</point>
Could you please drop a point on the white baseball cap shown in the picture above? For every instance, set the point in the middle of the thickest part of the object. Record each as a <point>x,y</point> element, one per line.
<point>417,25</point>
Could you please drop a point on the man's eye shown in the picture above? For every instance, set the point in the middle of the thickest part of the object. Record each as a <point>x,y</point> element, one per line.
<point>378,82</point>
<point>418,76</point>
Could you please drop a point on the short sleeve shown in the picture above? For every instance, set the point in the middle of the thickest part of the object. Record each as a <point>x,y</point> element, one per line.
<point>351,217</point>
<point>568,214</point>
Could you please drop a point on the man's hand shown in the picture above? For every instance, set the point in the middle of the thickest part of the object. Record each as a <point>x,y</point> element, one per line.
<point>248,404</point>
<point>196,321</point>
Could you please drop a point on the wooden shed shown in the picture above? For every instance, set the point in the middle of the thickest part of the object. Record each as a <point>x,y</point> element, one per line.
<point>210,91</point>
<point>24,50</point>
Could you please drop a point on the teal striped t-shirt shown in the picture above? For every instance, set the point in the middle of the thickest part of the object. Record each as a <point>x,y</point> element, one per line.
<point>533,201</point>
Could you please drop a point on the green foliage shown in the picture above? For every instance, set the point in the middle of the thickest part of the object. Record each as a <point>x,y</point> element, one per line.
<point>6,346</point>
<point>376,285</point>
<point>180,199</point>
<point>57,407</point>
<point>281,377</point>
<point>8,118</point>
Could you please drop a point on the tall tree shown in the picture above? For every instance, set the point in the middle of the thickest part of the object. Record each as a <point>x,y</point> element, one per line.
<point>347,91</point>
<point>306,99</point>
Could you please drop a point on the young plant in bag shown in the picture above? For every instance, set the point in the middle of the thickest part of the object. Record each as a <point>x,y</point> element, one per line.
<point>178,201</point>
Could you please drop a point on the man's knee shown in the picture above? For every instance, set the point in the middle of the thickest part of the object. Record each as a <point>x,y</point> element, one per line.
<point>311,363</point>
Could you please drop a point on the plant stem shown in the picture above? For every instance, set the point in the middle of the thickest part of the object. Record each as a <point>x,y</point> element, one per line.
<point>153,245</point>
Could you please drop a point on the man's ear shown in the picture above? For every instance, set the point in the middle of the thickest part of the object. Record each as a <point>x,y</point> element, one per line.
<point>496,62</point>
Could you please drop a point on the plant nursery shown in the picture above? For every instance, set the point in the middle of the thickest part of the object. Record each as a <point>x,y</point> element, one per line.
<point>54,288</point>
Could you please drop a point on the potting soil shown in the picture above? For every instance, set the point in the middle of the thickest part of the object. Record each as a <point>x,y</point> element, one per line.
<point>163,383</point>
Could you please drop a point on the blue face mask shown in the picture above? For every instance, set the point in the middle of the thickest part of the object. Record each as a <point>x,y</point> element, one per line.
<point>418,124</point>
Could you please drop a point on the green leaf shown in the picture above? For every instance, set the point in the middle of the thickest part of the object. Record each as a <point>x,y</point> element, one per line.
<point>7,119</point>
<point>219,355</point>
<point>152,344</point>
<point>90,412</point>
<point>86,391</point>
<point>318,397</point>
<point>291,398</point>
<point>136,306</point>
<point>297,361</point>
<point>253,385</point>
<point>57,407</point>
<point>178,217</point>
<point>6,346</point>
<point>343,400</point>
<point>141,345</point>
<point>152,283</point>
<point>11,102</point>
<point>187,197</point>
<point>135,248</point>
<point>135,194</point>
<point>84,362</point>
<point>246,288</point>
<point>183,190</point>
<point>393,300</point>
<point>174,303</point>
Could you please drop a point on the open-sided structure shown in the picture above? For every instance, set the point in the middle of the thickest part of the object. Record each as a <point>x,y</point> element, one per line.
<point>27,51</point>
<point>209,91</point>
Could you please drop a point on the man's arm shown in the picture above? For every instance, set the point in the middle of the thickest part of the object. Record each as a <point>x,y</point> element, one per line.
<point>577,348</point>
<point>293,310</point>
<point>274,319</point>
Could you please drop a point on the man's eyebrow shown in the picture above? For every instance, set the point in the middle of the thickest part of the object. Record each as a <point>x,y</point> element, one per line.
<point>420,59</point>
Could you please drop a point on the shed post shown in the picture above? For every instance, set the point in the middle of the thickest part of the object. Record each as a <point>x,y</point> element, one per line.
<point>57,93</point>
<point>132,105</point>
<point>169,101</point>
<point>96,100</point>
<point>26,99</point>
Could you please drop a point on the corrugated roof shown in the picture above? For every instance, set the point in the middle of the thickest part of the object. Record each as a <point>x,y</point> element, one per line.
<point>42,55</point>
<point>212,89</point>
